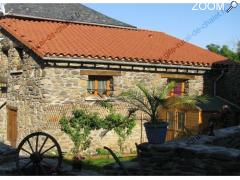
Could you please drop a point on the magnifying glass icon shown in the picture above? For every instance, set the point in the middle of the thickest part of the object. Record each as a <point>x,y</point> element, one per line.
<point>233,4</point>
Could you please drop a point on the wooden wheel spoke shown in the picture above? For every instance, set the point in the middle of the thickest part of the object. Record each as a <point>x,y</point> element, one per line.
<point>37,143</point>
<point>30,145</point>
<point>36,169</point>
<point>37,159</point>
<point>43,144</point>
<point>20,158</point>
<point>50,157</point>
<point>48,149</point>
<point>47,164</point>
<point>27,164</point>
<point>26,151</point>
<point>42,169</point>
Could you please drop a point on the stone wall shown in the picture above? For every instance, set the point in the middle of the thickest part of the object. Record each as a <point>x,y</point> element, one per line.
<point>52,113</point>
<point>228,87</point>
<point>3,123</point>
<point>67,85</point>
<point>196,85</point>
<point>23,94</point>
<point>4,60</point>
<point>109,140</point>
<point>202,155</point>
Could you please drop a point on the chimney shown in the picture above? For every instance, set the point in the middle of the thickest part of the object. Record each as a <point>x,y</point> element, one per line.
<point>2,9</point>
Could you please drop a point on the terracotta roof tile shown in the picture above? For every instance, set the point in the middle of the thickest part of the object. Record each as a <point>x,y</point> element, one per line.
<point>49,38</point>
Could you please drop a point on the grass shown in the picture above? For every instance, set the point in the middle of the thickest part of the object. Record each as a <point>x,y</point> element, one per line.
<point>98,162</point>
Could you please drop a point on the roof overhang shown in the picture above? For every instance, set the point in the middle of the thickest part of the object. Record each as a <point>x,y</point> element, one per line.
<point>117,62</point>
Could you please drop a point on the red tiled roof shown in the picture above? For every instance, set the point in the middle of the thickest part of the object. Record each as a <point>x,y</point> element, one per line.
<point>51,38</point>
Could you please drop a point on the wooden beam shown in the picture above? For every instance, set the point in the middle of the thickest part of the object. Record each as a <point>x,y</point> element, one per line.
<point>178,76</point>
<point>100,72</point>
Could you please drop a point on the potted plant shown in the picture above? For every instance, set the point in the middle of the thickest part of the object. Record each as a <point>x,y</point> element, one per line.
<point>150,100</point>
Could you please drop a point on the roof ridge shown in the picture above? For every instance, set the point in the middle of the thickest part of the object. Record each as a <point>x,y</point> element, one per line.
<point>33,18</point>
<point>63,11</point>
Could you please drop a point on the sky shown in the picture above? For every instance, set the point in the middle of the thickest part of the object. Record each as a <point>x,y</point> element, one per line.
<point>179,20</point>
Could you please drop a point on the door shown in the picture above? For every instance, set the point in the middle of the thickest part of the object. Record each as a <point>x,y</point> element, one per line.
<point>171,125</point>
<point>176,123</point>
<point>181,121</point>
<point>12,126</point>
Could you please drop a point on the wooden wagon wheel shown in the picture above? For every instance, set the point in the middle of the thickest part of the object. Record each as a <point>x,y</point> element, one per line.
<point>38,154</point>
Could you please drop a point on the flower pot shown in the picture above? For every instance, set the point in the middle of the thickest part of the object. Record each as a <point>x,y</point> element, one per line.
<point>156,133</point>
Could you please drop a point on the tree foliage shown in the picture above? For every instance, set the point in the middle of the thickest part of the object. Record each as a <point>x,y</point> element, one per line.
<point>149,100</point>
<point>238,48</point>
<point>122,125</point>
<point>225,51</point>
<point>79,127</point>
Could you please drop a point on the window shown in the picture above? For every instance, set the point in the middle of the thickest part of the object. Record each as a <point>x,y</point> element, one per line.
<point>170,119</point>
<point>3,90</point>
<point>100,85</point>
<point>180,87</point>
<point>181,120</point>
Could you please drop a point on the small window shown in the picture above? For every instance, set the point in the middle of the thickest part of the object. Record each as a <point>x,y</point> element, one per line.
<point>3,90</point>
<point>170,119</point>
<point>100,85</point>
<point>181,120</point>
<point>179,89</point>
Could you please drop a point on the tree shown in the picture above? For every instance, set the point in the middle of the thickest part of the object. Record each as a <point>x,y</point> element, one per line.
<point>79,127</point>
<point>225,51</point>
<point>120,124</point>
<point>214,48</point>
<point>150,100</point>
<point>238,49</point>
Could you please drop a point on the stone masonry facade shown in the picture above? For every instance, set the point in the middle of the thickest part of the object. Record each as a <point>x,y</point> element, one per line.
<point>231,78</point>
<point>34,86</point>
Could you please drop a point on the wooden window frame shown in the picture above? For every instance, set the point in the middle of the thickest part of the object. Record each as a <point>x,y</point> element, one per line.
<point>183,90</point>
<point>96,80</point>
<point>177,119</point>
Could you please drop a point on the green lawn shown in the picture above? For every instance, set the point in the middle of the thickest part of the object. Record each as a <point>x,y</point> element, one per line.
<point>97,163</point>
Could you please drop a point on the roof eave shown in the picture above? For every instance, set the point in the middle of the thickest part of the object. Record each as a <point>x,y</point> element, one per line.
<point>99,61</point>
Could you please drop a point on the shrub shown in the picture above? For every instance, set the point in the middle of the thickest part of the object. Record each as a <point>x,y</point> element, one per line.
<point>120,124</point>
<point>101,151</point>
<point>79,128</point>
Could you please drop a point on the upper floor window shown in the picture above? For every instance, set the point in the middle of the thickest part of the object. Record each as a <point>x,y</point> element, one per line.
<point>100,85</point>
<point>180,87</point>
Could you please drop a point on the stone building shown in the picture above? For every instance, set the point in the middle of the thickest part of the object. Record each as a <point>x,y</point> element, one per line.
<point>51,67</point>
<point>230,78</point>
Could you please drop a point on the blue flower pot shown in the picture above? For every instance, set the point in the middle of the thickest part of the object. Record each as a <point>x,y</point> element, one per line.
<point>156,133</point>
